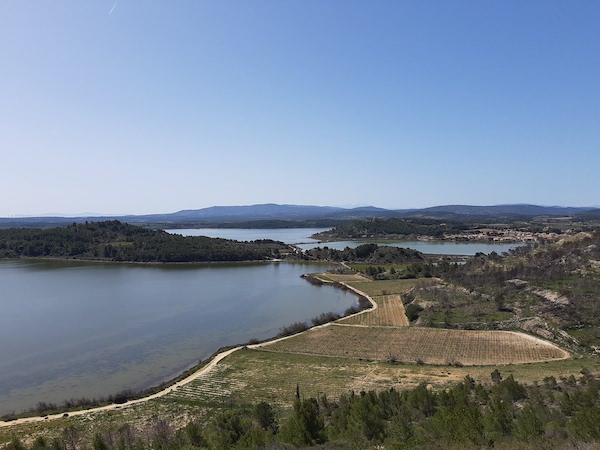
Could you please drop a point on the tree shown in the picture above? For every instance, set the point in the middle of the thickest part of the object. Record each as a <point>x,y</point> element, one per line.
<point>527,424</point>
<point>498,416</point>
<point>264,415</point>
<point>496,377</point>
<point>305,426</point>
<point>228,428</point>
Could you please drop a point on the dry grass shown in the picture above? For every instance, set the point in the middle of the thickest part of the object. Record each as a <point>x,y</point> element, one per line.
<point>389,312</point>
<point>269,376</point>
<point>388,287</point>
<point>421,345</point>
<point>347,278</point>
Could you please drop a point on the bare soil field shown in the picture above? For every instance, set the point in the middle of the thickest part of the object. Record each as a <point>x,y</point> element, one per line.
<point>421,345</point>
<point>390,312</point>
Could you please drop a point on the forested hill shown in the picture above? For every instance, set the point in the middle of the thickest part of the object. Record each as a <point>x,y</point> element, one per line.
<point>117,241</point>
<point>399,228</point>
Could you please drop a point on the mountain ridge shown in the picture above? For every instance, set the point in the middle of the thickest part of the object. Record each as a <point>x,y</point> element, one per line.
<point>290,212</point>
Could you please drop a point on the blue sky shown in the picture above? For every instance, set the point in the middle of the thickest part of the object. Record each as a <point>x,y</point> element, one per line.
<point>147,106</point>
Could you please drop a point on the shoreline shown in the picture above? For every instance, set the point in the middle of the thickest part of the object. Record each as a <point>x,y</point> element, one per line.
<point>174,383</point>
<point>375,240</point>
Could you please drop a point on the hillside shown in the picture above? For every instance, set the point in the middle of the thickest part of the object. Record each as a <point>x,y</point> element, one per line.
<point>117,241</point>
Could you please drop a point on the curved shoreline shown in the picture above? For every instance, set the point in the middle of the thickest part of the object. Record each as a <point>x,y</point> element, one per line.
<point>213,362</point>
<point>201,371</point>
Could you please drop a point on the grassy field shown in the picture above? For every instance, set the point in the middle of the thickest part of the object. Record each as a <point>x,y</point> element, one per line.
<point>387,287</point>
<point>247,376</point>
<point>258,374</point>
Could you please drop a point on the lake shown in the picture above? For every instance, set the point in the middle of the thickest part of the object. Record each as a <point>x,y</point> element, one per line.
<point>301,237</point>
<point>285,235</point>
<point>428,247</point>
<point>69,330</point>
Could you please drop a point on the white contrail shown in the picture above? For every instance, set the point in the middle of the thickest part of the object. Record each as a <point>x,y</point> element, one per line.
<point>114,6</point>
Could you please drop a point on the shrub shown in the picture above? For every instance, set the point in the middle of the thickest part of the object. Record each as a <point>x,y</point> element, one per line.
<point>294,328</point>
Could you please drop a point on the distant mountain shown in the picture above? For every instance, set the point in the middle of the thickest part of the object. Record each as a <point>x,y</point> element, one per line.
<point>518,209</point>
<point>268,211</point>
<point>275,212</point>
<point>507,211</point>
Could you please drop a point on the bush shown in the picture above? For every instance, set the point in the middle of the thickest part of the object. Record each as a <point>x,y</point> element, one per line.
<point>295,328</point>
<point>324,318</point>
<point>412,311</point>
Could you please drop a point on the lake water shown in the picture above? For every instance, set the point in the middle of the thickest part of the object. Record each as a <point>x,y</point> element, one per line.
<point>301,237</point>
<point>69,330</point>
<point>428,247</point>
<point>285,235</point>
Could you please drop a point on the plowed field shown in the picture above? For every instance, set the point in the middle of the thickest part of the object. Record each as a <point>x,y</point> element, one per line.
<point>389,312</point>
<point>421,345</point>
<point>347,278</point>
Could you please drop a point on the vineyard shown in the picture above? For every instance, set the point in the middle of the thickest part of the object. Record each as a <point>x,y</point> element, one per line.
<point>387,287</point>
<point>347,278</point>
<point>421,345</point>
<point>389,312</point>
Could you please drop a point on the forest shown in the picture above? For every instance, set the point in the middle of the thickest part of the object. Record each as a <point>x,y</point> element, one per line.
<point>368,253</point>
<point>117,241</point>
<point>397,228</point>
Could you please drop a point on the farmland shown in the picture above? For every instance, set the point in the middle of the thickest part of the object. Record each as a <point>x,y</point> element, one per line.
<point>421,345</point>
<point>386,287</point>
<point>389,312</point>
<point>383,334</point>
<point>249,374</point>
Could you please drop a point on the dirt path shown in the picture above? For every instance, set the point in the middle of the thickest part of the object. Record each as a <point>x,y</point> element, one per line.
<point>113,406</point>
<point>170,389</point>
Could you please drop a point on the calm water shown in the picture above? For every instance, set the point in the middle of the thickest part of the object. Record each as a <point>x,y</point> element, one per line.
<point>301,235</point>
<point>75,329</point>
<point>441,248</point>
<point>288,236</point>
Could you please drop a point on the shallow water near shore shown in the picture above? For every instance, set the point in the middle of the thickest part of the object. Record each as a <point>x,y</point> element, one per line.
<point>69,330</point>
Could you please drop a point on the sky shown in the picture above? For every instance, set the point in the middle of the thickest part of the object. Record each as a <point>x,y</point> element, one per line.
<point>154,106</point>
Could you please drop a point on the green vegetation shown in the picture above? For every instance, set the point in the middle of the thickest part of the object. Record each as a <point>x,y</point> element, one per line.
<point>393,229</point>
<point>116,241</point>
<point>461,227</point>
<point>370,253</point>
<point>500,413</point>
<point>550,290</point>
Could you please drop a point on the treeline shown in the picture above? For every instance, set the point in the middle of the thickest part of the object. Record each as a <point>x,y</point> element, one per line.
<point>369,253</point>
<point>117,241</point>
<point>253,224</point>
<point>396,228</point>
<point>557,414</point>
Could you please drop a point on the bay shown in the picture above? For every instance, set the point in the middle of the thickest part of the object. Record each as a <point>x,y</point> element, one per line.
<point>427,247</point>
<point>73,329</point>
<point>285,235</point>
<point>301,238</point>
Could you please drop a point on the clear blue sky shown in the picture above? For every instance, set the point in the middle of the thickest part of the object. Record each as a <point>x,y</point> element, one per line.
<point>148,106</point>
